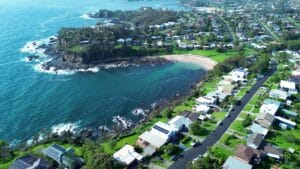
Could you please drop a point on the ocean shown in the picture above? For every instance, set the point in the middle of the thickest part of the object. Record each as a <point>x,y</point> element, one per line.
<point>31,101</point>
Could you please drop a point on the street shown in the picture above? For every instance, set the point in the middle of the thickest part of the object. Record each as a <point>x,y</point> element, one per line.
<point>221,129</point>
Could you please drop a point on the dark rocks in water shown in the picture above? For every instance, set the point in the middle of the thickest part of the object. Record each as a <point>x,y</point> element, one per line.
<point>43,46</point>
<point>52,40</point>
<point>32,57</point>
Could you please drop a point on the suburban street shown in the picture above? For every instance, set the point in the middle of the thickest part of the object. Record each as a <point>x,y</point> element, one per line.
<point>221,129</point>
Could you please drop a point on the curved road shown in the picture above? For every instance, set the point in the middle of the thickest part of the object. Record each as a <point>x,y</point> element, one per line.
<point>221,129</point>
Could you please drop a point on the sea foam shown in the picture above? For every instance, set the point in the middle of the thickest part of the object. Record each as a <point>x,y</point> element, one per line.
<point>86,16</point>
<point>59,129</point>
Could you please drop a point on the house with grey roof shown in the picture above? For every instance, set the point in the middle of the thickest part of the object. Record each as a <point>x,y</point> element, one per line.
<point>255,140</point>
<point>273,151</point>
<point>62,156</point>
<point>256,128</point>
<point>265,119</point>
<point>30,162</point>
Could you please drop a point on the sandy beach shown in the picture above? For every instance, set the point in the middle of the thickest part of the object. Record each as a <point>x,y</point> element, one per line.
<point>203,61</point>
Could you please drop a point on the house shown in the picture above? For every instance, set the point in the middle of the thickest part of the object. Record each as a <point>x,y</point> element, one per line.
<point>203,117</point>
<point>285,123</point>
<point>256,128</point>
<point>255,140</point>
<point>121,40</point>
<point>179,123</point>
<point>127,155</point>
<point>239,74</point>
<point>267,111</point>
<point>264,119</point>
<point>247,154</point>
<point>225,88</point>
<point>201,109</point>
<point>290,113</point>
<point>193,116</point>
<point>84,42</point>
<point>275,93</point>
<point>30,162</point>
<point>273,151</point>
<point>288,86</point>
<point>234,163</point>
<point>295,77</point>
<point>160,134</point>
<point>207,100</point>
<point>270,106</point>
<point>62,156</point>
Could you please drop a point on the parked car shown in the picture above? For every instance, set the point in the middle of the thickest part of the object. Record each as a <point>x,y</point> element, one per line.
<point>195,143</point>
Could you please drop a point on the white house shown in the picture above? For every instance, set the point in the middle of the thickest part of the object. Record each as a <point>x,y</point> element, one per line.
<point>201,109</point>
<point>270,106</point>
<point>127,155</point>
<point>239,74</point>
<point>286,122</point>
<point>160,134</point>
<point>275,93</point>
<point>207,100</point>
<point>288,86</point>
<point>179,123</point>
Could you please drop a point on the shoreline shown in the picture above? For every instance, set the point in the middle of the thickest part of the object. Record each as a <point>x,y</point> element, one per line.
<point>205,62</point>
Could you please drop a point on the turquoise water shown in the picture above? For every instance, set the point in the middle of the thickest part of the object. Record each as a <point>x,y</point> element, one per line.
<point>31,101</point>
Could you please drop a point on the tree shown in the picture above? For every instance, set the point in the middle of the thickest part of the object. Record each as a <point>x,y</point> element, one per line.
<point>247,122</point>
<point>6,153</point>
<point>96,158</point>
<point>197,129</point>
<point>171,149</point>
<point>205,163</point>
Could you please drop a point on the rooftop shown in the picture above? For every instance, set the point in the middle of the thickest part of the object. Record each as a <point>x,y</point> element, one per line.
<point>288,85</point>
<point>234,163</point>
<point>255,139</point>
<point>179,121</point>
<point>153,139</point>
<point>30,161</point>
<point>127,155</point>
<point>256,128</point>
<point>246,153</point>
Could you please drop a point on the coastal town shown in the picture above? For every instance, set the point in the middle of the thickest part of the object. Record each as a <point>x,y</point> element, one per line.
<point>243,114</point>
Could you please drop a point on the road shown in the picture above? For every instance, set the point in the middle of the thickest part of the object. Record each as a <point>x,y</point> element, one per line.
<point>269,31</point>
<point>233,36</point>
<point>221,129</point>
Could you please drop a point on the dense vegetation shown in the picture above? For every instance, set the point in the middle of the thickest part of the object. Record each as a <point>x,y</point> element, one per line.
<point>142,17</point>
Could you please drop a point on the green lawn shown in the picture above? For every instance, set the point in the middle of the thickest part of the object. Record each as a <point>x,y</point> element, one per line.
<point>243,115</point>
<point>186,106</point>
<point>75,49</point>
<point>186,141</point>
<point>218,116</point>
<point>220,152</point>
<point>231,142</point>
<point>244,90</point>
<point>209,126</point>
<point>237,125</point>
<point>286,138</point>
<point>213,54</point>
<point>210,86</point>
